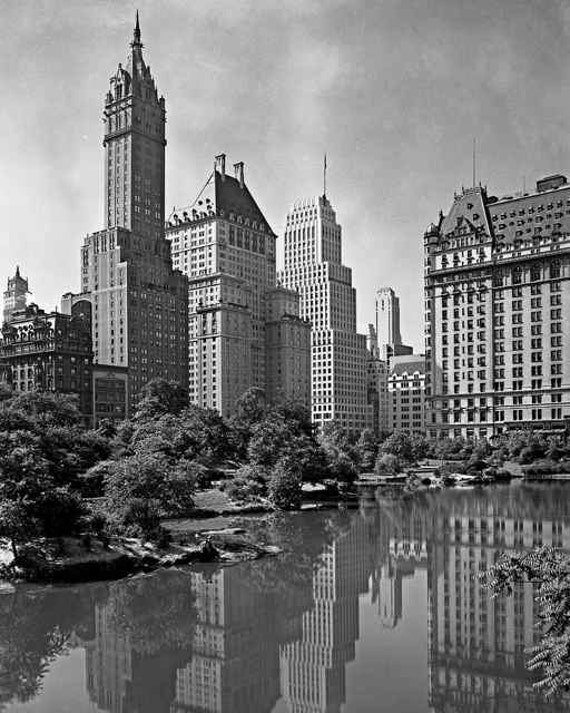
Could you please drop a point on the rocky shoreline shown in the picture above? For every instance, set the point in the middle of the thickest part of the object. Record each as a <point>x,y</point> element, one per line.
<point>71,560</point>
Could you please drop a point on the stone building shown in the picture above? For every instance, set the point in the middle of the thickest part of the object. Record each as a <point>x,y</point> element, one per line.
<point>497,312</point>
<point>313,267</point>
<point>243,332</point>
<point>140,308</point>
<point>388,325</point>
<point>406,393</point>
<point>15,295</point>
<point>377,385</point>
<point>49,352</point>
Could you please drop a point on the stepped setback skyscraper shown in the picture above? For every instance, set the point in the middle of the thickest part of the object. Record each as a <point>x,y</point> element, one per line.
<point>140,307</point>
<point>313,267</point>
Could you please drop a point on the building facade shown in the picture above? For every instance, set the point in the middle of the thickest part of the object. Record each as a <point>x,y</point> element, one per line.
<point>49,352</point>
<point>139,302</point>
<point>497,301</point>
<point>15,295</point>
<point>388,325</point>
<point>242,331</point>
<point>313,267</point>
<point>377,385</point>
<point>407,394</point>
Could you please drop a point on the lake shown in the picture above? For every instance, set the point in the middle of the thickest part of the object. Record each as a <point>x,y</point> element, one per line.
<point>375,609</point>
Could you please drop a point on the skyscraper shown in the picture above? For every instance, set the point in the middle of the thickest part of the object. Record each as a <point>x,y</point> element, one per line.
<point>497,300</point>
<point>15,295</point>
<point>313,267</point>
<point>243,330</point>
<point>139,301</point>
<point>388,324</point>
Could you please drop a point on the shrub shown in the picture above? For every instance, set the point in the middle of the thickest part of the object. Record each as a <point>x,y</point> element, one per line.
<point>387,464</point>
<point>285,486</point>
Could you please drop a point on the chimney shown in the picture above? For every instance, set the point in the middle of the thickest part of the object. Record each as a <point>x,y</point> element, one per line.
<point>220,164</point>
<point>238,168</point>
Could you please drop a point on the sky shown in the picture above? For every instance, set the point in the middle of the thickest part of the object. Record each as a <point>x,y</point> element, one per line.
<point>394,91</point>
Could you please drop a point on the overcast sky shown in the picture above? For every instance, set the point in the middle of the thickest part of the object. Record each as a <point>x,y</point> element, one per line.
<point>393,90</point>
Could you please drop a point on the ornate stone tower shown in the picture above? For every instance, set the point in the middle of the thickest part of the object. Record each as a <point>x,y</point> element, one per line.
<point>134,144</point>
<point>140,304</point>
<point>15,295</point>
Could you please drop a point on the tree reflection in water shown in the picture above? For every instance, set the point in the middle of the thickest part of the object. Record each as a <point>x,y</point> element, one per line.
<point>236,639</point>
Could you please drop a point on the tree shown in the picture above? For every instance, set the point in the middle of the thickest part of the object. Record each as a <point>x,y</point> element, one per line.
<point>45,407</point>
<point>140,488</point>
<point>548,569</point>
<point>160,397</point>
<point>366,449</point>
<point>399,444</point>
<point>285,485</point>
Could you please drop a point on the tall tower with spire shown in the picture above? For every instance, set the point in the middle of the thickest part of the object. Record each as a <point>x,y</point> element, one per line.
<point>314,268</point>
<point>139,303</point>
<point>15,295</point>
<point>134,142</point>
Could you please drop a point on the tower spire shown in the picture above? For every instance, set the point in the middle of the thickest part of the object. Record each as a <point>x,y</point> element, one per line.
<point>325,176</point>
<point>137,33</point>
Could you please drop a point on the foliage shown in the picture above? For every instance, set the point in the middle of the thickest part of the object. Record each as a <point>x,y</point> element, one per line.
<point>249,482</point>
<point>285,485</point>
<point>399,444</point>
<point>366,449</point>
<point>160,397</point>
<point>548,569</point>
<point>387,464</point>
<point>142,487</point>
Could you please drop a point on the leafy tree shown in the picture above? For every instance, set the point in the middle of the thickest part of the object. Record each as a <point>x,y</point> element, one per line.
<point>285,485</point>
<point>548,569</point>
<point>139,488</point>
<point>45,407</point>
<point>399,444</point>
<point>387,464</point>
<point>367,449</point>
<point>160,397</point>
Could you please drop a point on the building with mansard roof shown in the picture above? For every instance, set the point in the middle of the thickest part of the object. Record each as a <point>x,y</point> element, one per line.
<point>243,330</point>
<point>497,312</point>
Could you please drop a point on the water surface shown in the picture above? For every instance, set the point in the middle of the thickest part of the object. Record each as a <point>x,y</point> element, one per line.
<point>379,609</point>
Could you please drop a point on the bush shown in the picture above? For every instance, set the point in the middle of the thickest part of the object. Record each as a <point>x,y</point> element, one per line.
<point>285,486</point>
<point>387,464</point>
<point>249,483</point>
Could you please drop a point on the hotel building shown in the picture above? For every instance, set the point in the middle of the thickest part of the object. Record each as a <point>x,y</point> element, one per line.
<point>497,312</point>
<point>243,330</point>
<point>313,267</point>
<point>139,302</point>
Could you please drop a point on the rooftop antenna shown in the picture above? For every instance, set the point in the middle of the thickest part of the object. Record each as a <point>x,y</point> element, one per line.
<point>325,176</point>
<point>474,160</point>
<point>524,185</point>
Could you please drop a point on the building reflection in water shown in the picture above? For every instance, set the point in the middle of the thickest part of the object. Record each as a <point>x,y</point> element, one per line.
<point>229,641</point>
<point>313,666</point>
<point>477,644</point>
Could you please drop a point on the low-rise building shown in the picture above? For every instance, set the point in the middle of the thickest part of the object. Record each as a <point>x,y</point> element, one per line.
<point>52,351</point>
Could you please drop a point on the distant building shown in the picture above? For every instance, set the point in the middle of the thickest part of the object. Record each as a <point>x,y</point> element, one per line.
<point>377,385</point>
<point>242,331</point>
<point>288,348</point>
<point>313,267</point>
<point>140,304</point>
<point>406,390</point>
<point>388,325</point>
<point>51,352</point>
<point>497,320</point>
<point>15,295</point>
<point>110,393</point>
